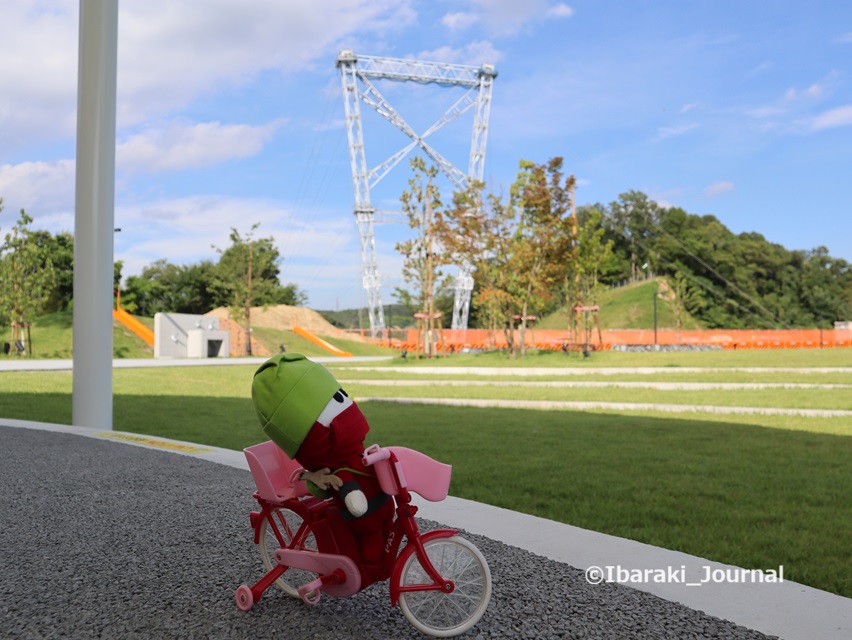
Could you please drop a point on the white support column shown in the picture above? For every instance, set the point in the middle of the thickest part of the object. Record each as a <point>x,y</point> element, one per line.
<point>94,218</point>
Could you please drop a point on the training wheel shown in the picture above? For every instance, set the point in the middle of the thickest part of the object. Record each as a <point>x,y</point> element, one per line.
<point>245,599</point>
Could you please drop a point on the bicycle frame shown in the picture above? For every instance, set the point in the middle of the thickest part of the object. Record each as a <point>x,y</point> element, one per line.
<point>322,519</point>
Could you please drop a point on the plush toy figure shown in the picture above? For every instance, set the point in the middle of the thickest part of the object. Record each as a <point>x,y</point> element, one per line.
<point>305,412</point>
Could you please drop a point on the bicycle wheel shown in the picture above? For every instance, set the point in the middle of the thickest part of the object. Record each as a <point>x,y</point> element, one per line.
<point>440,614</point>
<point>287,522</point>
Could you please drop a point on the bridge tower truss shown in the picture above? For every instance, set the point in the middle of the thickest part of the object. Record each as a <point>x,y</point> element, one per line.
<point>358,74</point>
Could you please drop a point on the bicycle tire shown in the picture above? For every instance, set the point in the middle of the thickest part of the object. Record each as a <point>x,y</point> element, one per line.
<point>440,614</point>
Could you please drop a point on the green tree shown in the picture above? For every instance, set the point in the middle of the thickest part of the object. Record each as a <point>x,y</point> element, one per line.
<point>27,278</point>
<point>60,248</point>
<point>422,255</point>
<point>544,238</point>
<point>517,248</point>
<point>247,275</point>
<point>478,230</point>
<point>163,287</point>
<point>634,218</point>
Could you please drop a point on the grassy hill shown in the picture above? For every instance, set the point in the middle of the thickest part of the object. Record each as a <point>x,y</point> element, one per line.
<point>628,307</point>
<point>396,315</point>
<point>53,337</point>
<point>631,307</point>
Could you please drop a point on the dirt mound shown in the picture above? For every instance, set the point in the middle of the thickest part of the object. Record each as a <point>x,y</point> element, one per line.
<point>285,317</point>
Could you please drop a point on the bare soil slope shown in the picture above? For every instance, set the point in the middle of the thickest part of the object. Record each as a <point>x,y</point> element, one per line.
<point>285,317</point>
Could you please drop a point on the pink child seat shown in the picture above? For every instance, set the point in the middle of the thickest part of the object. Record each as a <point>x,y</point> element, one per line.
<point>417,472</point>
<point>272,470</point>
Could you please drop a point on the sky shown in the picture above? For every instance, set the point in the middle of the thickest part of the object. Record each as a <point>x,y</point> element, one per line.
<point>231,114</point>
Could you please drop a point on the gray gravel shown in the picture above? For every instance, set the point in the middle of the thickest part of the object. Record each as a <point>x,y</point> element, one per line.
<point>104,540</point>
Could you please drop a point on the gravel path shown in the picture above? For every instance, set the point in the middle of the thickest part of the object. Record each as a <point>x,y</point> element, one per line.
<point>103,539</point>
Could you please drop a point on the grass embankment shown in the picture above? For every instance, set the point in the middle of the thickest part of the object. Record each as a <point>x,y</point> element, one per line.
<point>630,307</point>
<point>753,491</point>
<point>53,338</point>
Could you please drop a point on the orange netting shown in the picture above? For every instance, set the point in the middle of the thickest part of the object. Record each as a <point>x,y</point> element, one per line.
<point>457,339</point>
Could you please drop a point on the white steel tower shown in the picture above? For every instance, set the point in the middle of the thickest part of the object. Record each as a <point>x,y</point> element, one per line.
<point>357,74</point>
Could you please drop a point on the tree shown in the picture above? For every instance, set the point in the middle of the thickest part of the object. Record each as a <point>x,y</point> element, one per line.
<point>163,287</point>
<point>592,258</point>
<point>478,231</point>
<point>421,255</point>
<point>516,248</point>
<point>633,220</point>
<point>247,274</point>
<point>545,235</point>
<point>60,248</point>
<point>27,278</point>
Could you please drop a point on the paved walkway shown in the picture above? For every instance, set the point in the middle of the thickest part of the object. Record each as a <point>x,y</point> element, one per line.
<point>102,539</point>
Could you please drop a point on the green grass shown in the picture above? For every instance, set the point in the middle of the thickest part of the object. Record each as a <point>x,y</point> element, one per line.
<point>53,338</point>
<point>780,358</point>
<point>272,338</point>
<point>753,491</point>
<point>781,398</point>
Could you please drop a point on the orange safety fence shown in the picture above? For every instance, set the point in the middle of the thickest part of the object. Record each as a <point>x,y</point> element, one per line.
<point>458,339</point>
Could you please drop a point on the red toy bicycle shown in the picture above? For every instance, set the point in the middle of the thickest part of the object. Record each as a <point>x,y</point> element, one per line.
<point>440,580</point>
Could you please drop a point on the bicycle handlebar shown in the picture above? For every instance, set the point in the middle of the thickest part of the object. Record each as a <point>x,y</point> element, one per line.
<point>373,454</point>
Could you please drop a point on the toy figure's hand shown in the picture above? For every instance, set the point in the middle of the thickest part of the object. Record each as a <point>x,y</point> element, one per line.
<point>323,478</point>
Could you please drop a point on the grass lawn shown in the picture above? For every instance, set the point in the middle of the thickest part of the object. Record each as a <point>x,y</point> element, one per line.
<point>52,337</point>
<point>837,357</point>
<point>753,491</point>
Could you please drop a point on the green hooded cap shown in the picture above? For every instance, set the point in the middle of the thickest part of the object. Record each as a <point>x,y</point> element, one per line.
<point>289,393</point>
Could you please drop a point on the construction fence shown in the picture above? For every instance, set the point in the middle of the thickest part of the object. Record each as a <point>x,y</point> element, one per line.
<point>456,340</point>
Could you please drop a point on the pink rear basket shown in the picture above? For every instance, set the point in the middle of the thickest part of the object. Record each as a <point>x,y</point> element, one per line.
<point>417,472</point>
<point>272,469</point>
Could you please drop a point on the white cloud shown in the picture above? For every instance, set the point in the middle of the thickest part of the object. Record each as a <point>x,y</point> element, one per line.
<point>765,112</point>
<point>560,10</point>
<point>671,132</point>
<point>169,53</point>
<point>38,71</point>
<point>182,145</point>
<point>473,53</point>
<point>460,20</point>
<point>814,91</point>
<point>508,17</point>
<point>38,187</point>
<point>839,117</point>
<point>689,107</point>
<point>718,188</point>
<point>846,38</point>
<point>760,68</point>
<point>186,230</point>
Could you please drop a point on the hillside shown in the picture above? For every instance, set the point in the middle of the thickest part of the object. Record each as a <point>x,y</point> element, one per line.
<point>396,315</point>
<point>52,335</point>
<point>284,317</point>
<point>631,307</point>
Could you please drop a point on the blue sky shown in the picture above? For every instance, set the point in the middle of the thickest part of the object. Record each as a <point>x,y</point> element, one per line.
<point>230,113</point>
